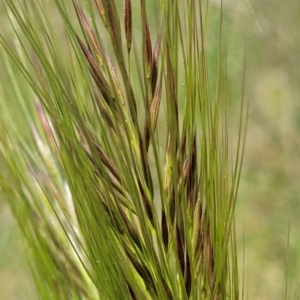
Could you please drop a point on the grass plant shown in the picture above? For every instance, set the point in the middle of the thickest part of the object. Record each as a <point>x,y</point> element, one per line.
<point>116,158</point>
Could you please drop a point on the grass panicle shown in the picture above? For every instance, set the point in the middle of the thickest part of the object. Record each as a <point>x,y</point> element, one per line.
<point>118,167</point>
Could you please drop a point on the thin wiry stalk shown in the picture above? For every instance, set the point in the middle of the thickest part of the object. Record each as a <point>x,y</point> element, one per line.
<point>119,193</point>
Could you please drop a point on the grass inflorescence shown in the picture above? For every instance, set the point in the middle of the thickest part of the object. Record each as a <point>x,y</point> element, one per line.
<point>118,169</point>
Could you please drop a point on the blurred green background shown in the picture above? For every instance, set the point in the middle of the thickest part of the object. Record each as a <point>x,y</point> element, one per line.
<point>267,32</point>
<point>269,198</point>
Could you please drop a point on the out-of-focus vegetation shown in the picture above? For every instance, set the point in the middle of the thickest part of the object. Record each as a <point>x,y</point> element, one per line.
<point>267,32</point>
<point>269,198</point>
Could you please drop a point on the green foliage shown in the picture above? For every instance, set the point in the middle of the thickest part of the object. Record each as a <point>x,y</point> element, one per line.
<point>118,194</point>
